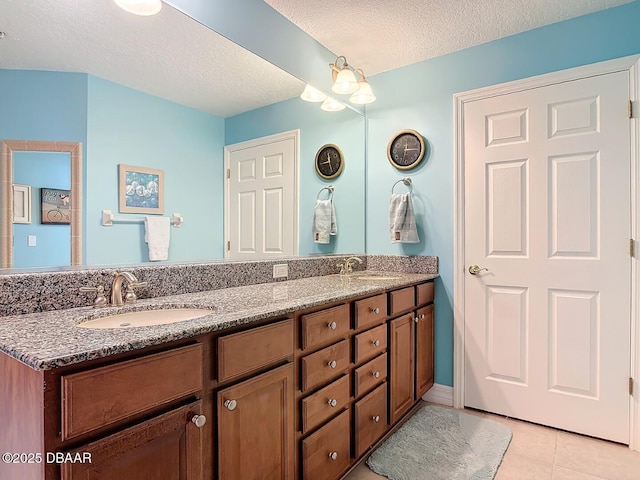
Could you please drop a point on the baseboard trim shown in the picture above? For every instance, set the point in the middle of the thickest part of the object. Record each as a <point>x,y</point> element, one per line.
<point>440,394</point>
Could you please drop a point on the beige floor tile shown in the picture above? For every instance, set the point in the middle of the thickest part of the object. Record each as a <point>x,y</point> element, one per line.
<point>529,440</point>
<point>519,467</point>
<point>561,473</point>
<point>597,457</point>
<point>362,472</point>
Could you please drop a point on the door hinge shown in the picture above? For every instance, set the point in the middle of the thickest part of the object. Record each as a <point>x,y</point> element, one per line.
<point>630,386</point>
<point>632,247</point>
<point>228,173</point>
<point>630,108</point>
<point>228,245</point>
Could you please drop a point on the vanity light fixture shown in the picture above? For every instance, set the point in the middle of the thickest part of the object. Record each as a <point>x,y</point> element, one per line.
<point>312,94</point>
<point>332,105</point>
<point>344,80</point>
<point>140,7</point>
<point>364,94</point>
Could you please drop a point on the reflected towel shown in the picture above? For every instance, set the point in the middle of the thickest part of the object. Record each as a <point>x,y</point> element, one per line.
<point>402,220</point>
<point>324,221</point>
<point>157,231</point>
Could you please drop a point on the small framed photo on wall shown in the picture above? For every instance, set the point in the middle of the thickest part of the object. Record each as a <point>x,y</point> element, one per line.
<point>140,190</point>
<point>56,206</point>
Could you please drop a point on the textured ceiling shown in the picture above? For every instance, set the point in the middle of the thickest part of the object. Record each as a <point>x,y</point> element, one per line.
<point>168,55</point>
<point>380,35</point>
<point>174,57</point>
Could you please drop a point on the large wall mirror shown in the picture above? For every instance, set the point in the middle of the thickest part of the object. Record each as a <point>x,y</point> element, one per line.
<point>122,110</point>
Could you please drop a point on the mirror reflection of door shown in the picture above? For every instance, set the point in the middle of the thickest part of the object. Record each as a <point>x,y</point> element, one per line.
<point>42,243</point>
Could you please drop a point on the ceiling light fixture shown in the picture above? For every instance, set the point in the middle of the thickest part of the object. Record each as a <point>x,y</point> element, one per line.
<point>140,7</point>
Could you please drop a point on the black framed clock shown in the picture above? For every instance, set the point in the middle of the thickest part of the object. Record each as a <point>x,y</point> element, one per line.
<point>406,149</point>
<point>329,161</point>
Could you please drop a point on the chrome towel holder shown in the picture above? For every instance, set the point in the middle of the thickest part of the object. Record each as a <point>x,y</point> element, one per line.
<point>406,181</point>
<point>329,189</point>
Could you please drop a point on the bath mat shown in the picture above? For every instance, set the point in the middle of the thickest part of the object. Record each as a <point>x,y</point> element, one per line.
<point>441,443</point>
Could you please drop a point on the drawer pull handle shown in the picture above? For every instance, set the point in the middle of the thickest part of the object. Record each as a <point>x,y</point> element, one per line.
<point>332,364</point>
<point>376,374</point>
<point>333,455</point>
<point>376,418</point>
<point>332,325</point>
<point>375,310</point>
<point>332,402</point>
<point>199,420</point>
<point>231,404</point>
<point>376,343</point>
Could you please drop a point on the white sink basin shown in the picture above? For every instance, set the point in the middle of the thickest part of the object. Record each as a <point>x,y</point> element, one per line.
<point>377,277</point>
<point>146,318</point>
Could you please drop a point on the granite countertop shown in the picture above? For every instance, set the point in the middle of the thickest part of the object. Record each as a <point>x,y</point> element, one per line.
<point>51,339</point>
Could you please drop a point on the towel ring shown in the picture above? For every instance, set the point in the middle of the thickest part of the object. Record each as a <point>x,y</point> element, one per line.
<point>329,188</point>
<point>406,181</point>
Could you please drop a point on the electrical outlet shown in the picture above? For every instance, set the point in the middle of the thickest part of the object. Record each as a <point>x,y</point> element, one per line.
<point>281,270</point>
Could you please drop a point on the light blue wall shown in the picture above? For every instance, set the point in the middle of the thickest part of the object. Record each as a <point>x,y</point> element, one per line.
<point>420,96</point>
<point>53,242</point>
<point>125,126</point>
<point>317,127</point>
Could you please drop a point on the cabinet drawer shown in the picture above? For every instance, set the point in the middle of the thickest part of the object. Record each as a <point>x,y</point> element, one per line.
<point>371,311</point>
<point>105,395</point>
<point>325,326</point>
<point>327,453</point>
<point>370,419</point>
<point>425,293</point>
<point>324,365</point>
<point>324,403</point>
<point>370,374</point>
<point>370,343</point>
<point>243,352</point>
<point>401,300</point>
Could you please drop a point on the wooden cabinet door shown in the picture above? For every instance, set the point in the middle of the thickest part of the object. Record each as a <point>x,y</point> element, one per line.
<point>401,373</point>
<point>168,446</point>
<point>424,350</point>
<point>256,429</point>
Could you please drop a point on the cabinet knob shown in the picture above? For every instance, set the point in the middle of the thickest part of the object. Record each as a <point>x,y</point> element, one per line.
<point>332,364</point>
<point>375,310</point>
<point>415,319</point>
<point>333,455</point>
<point>231,404</point>
<point>376,374</point>
<point>422,316</point>
<point>376,418</point>
<point>199,420</point>
<point>376,343</point>
<point>332,325</point>
<point>332,402</point>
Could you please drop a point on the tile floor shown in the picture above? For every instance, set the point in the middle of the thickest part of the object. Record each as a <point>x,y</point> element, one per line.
<point>542,453</point>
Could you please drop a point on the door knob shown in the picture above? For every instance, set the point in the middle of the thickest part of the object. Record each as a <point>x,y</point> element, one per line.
<point>475,269</point>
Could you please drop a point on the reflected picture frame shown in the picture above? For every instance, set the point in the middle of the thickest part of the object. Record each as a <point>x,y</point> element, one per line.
<point>56,206</point>
<point>21,203</point>
<point>140,190</point>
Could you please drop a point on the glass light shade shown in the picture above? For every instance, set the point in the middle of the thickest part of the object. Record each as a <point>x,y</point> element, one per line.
<point>363,95</point>
<point>345,82</point>
<point>331,105</point>
<point>311,94</point>
<point>140,7</point>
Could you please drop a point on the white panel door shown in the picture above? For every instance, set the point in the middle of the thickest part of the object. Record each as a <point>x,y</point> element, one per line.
<point>547,214</point>
<point>261,199</point>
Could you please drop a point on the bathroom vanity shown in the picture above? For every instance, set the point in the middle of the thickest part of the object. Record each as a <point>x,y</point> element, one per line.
<point>289,380</point>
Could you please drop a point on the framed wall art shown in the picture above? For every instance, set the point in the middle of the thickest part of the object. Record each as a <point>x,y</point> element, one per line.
<point>56,206</point>
<point>21,203</point>
<point>140,190</point>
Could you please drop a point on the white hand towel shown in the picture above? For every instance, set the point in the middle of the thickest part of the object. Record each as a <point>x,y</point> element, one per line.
<point>157,231</point>
<point>324,221</point>
<point>402,220</point>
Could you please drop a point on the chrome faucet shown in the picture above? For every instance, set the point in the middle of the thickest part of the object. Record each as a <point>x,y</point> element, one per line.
<point>117,299</point>
<point>346,268</point>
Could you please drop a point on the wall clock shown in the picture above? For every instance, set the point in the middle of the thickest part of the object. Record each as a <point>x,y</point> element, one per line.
<point>329,161</point>
<point>406,149</point>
